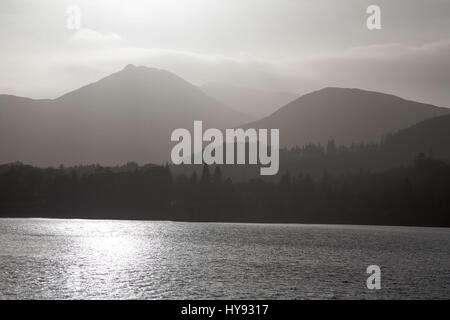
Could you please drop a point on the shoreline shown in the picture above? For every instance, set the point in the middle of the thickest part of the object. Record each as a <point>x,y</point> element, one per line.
<point>328,225</point>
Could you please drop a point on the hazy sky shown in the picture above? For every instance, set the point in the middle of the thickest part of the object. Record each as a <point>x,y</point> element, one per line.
<point>295,45</point>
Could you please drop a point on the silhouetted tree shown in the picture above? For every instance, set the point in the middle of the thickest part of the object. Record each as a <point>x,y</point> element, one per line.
<point>217,176</point>
<point>418,194</point>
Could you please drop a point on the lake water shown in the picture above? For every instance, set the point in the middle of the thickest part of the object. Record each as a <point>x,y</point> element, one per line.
<point>93,259</point>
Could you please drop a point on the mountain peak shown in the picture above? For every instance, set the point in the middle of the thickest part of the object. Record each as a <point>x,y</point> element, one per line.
<point>134,68</point>
<point>347,115</point>
<point>131,82</point>
<point>350,91</point>
<point>129,114</point>
<point>129,67</point>
<point>354,92</point>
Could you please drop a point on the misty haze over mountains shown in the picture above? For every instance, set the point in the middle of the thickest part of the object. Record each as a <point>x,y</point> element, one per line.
<point>197,149</point>
<point>255,102</point>
<point>129,116</point>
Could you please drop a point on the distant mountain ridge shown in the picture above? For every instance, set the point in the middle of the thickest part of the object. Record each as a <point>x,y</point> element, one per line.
<point>255,102</point>
<point>344,115</point>
<point>431,136</point>
<point>128,115</point>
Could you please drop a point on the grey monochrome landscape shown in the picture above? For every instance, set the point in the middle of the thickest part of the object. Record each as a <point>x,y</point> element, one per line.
<point>354,97</point>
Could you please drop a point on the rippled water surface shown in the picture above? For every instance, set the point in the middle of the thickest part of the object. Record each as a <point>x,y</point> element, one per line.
<point>71,259</point>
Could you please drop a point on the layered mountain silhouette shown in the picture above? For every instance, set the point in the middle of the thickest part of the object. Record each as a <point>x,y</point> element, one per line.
<point>128,115</point>
<point>257,103</point>
<point>346,116</point>
<point>431,137</point>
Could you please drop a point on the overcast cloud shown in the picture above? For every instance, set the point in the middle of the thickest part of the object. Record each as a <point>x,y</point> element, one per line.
<point>295,45</point>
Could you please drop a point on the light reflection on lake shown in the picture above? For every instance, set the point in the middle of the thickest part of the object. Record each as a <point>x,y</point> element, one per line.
<point>94,259</point>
